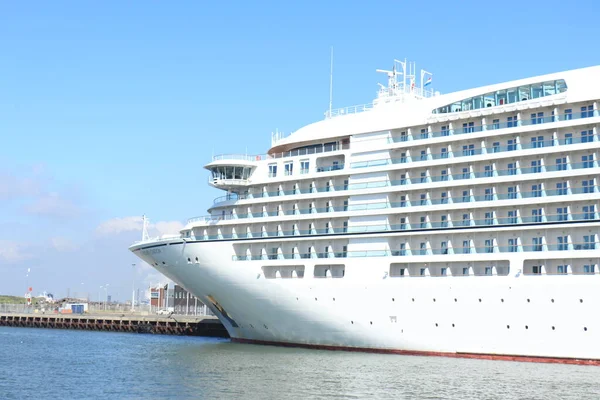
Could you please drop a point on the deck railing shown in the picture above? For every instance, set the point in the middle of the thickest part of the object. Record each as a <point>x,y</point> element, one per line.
<point>421,252</point>
<point>414,226</point>
<point>325,148</point>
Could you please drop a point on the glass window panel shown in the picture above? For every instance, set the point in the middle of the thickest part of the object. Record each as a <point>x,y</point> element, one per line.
<point>549,88</point>
<point>512,95</point>
<point>501,96</point>
<point>507,96</point>
<point>536,90</point>
<point>524,92</point>
<point>489,100</point>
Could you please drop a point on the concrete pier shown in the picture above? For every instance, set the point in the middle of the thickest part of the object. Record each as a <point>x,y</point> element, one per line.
<point>171,325</point>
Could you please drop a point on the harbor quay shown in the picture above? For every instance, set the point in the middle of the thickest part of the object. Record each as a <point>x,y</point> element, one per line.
<point>182,325</point>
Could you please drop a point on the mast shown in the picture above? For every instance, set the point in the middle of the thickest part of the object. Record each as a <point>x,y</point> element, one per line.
<point>145,235</point>
<point>331,82</point>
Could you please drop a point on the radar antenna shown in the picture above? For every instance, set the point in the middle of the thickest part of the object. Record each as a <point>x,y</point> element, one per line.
<point>395,86</point>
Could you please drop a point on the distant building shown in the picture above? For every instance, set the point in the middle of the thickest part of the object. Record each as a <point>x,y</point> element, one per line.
<point>157,296</point>
<point>175,298</point>
<point>45,296</point>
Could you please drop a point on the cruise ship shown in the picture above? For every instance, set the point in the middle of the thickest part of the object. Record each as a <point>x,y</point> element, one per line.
<point>462,225</point>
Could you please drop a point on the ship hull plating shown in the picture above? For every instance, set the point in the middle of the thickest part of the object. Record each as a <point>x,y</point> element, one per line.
<point>547,318</point>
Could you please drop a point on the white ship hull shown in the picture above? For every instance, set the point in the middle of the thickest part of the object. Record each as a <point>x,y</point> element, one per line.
<point>464,224</point>
<point>550,317</point>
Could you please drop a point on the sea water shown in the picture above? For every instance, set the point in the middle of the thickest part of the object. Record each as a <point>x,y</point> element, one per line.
<point>64,364</point>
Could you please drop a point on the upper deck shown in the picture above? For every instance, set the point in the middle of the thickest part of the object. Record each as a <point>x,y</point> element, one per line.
<point>403,105</point>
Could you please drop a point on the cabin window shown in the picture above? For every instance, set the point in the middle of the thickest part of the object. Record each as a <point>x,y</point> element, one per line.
<point>272,170</point>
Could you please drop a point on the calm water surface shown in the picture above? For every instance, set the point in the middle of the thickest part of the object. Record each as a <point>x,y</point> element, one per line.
<point>59,364</point>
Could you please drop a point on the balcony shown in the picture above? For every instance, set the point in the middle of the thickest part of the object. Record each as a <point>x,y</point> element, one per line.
<point>317,149</point>
<point>460,153</point>
<point>328,168</point>
<point>461,130</point>
<point>459,251</point>
<point>431,201</point>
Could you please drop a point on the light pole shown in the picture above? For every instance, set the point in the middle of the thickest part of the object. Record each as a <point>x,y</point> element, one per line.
<point>133,290</point>
<point>105,287</point>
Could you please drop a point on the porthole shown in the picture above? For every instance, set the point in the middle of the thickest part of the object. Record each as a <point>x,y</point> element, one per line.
<point>296,298</point>
<point>334,299</point>
<point>526,327</point>
<point>371,322</point>
<point>553,328</point>
<point>502,300</point>
<point>315,299</point>
<point>163,263</point>
<point>581,300</point>
<point>196,259</point>
<point>528,300</point>
<point>266,327</point>
<point>480,300</point>
<point>434,300</point>
<point>352,322</point>
<point>507,326</point>
<point>251,326</point>
<point>189,259</point>
<point>393,299</point>
<point>585,328</point>
<point>455,300</point>
<point>552,300</point>
<point>436,324</point>
<point>413,299</point>
<point>453,325</point>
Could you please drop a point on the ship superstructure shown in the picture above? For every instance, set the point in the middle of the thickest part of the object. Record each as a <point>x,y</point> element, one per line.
<point>460,224</point>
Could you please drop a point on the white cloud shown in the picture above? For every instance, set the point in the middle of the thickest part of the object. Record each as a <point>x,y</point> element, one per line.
<point>11,251</point>
<point>129,224</point>
<point>63,244</point>
<point>119,225</point>
<point>15,187</point>
<point>53,205</point>
<point>165,227</point>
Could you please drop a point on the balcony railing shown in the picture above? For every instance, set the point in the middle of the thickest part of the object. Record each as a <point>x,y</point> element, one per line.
<point>414,203</point>
<point>459,153</point>
<point>416,252</point>
<point>404,203</point>
<point>243,157</point>
<point>376,184</point>
<point>325,148</point>
<point>415,226</point>
<point>462,130</point>
<point>328,168</point>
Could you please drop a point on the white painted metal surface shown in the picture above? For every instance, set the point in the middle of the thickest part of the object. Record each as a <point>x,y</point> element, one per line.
<point>474,231</point>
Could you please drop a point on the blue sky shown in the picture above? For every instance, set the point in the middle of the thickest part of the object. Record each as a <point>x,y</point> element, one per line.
<point>109,110</point>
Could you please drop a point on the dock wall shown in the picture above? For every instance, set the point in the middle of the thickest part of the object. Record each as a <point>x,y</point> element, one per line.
<point>174,325</point>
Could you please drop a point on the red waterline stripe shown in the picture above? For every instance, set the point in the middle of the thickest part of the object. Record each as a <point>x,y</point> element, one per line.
<point>552,360</point>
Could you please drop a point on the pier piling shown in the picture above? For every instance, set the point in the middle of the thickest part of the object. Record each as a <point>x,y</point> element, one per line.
<point>179,325</point>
